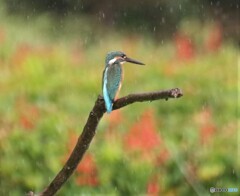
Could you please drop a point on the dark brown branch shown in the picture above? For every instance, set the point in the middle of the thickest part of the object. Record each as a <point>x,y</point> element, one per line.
<point>90,129</point>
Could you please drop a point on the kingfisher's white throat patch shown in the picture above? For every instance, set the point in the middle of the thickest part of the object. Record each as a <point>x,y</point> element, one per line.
<point>112,61</point>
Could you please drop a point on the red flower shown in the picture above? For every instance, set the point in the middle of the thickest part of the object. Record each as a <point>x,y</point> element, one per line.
<point>184,47</point>
<point>153,187</point>
<point>29,115</point>
<point>87,172</point>
<point>163,156</point>
<point>143,136</point>
<point>206,125</point>
<point>206,132</point>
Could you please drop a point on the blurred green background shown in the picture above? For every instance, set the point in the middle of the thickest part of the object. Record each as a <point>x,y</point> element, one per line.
<point>52,55</point>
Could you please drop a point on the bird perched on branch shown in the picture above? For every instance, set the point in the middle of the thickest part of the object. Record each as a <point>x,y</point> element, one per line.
<point>113,75</point>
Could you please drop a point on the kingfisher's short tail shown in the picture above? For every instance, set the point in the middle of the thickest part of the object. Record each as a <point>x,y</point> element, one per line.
<point>108,102</point>
<point>108,106</point>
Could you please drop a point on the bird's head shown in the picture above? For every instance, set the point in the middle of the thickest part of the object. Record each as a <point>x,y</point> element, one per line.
<point>119,57</point>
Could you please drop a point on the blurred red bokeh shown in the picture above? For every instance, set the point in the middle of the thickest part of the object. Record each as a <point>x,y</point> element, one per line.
<point>29,114</point>
<point>86,171</point>
<point>142,136</point>
<point>153,188</point>
<point>214,38</point>
<point>206,125</point>
<point>185,49</point>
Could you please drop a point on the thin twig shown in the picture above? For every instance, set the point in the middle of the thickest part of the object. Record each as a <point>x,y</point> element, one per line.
<point>89,131</point>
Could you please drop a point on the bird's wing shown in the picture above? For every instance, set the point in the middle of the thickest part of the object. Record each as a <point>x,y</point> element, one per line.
<point>114,77</point>
<point>108,101</point>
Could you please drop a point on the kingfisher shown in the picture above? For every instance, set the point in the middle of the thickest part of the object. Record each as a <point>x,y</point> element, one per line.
<point>113,76</point>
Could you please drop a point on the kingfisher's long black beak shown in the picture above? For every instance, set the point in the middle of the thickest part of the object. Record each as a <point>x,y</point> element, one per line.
<point>127,59</point>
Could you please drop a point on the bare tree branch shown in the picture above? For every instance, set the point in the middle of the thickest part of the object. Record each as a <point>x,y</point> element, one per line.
<point>90,129</point>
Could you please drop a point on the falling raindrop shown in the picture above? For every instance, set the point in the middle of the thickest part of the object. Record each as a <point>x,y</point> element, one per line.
<point>163,20</point>
<point>180,6</point>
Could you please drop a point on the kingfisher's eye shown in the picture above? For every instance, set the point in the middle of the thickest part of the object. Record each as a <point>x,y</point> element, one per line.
<point>124,56</point>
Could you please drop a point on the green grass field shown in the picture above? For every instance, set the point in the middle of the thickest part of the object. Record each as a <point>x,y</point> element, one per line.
<point>50,79</point>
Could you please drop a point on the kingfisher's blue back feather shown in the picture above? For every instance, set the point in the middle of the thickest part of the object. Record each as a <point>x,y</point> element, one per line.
<point>112,76</point>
